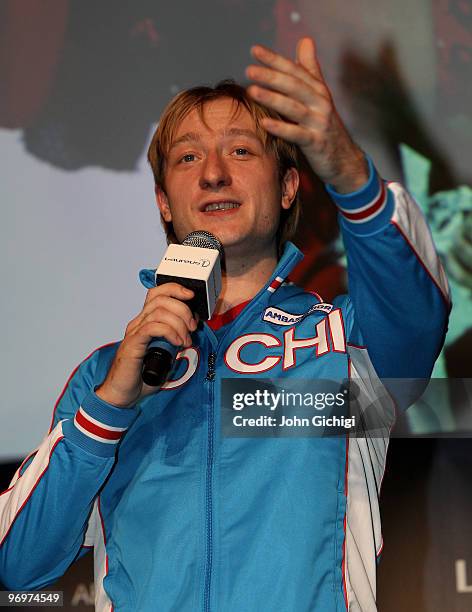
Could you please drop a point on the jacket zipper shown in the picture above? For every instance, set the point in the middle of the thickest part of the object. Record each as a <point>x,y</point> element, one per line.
<point>210,377</point>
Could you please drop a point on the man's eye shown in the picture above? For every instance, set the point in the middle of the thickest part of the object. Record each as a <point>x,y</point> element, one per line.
<point>241,151</point>
<point>188,157</point>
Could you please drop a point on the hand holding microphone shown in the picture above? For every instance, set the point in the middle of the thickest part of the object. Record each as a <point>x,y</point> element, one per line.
<point>195,265</point>
<point>168,318</point>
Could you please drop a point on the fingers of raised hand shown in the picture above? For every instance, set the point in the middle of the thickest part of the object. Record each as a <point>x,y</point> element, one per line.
<point>311,93</point>
<point>306,57</point>
<point>286,66</point>
<point>290,108</point>
<point>289,131</point>
<point>295,90</point>
<point>308,124</point>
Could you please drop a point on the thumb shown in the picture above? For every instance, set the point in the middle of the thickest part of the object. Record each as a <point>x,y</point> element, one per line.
<point>306,56</point>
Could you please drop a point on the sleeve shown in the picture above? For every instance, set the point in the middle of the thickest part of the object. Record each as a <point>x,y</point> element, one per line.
<point>44,513</point>
<point>398,292</point>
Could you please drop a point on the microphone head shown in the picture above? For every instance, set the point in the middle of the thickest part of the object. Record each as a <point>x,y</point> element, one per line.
<point>203,240</point>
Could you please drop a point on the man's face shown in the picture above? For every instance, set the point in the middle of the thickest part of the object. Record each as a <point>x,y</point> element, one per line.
<point>220,178</point>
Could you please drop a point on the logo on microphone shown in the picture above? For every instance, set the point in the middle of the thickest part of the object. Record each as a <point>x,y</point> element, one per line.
<point>204,263</point>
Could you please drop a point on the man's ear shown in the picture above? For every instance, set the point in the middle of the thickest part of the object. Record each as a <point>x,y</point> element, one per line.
<point>163,204</point>
<point>290,187</point>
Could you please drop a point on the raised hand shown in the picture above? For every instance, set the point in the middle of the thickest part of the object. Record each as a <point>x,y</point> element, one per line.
<point>297,90</point>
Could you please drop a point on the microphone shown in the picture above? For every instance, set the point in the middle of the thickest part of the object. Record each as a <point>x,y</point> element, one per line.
<point>194,264</point>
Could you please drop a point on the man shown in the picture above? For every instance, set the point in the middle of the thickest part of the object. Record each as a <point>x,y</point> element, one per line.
<point>180,517</point>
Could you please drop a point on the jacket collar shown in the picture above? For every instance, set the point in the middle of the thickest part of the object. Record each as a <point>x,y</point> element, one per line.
<point>291,256</point>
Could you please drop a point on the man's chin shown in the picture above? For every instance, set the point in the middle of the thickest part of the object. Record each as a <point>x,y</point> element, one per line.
<point>225,235</point>
<point>232,241</point>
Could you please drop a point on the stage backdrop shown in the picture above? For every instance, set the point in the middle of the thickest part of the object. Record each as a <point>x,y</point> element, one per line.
<point>83,86</point>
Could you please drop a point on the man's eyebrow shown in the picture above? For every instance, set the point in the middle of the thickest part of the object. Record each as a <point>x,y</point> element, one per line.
<point>187,137</point>
<point>241,132</point>
<point>195,138</point>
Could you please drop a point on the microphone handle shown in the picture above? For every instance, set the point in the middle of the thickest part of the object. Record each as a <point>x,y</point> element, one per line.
<point>158,361</point>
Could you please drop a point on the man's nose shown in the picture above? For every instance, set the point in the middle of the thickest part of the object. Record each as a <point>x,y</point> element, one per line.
<point>215,172</point>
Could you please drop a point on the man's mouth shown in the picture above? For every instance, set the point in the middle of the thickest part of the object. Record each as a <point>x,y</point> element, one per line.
<point>221,206</point>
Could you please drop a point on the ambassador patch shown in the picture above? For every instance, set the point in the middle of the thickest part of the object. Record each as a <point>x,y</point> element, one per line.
<point>282,317</point>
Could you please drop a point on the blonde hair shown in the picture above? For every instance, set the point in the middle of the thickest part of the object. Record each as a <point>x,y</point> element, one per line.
<point>196,97</point>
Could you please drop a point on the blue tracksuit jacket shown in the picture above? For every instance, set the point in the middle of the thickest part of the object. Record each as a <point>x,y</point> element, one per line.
<point>183,519</point>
